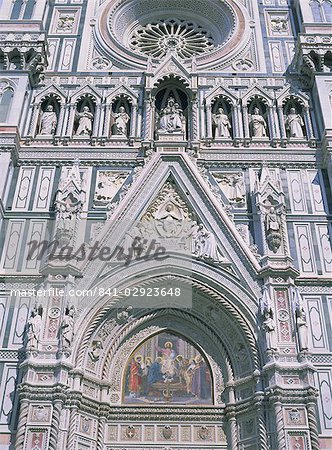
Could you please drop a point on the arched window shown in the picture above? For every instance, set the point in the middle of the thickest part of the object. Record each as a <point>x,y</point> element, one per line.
<point>29,9</point>
<point>17,8</point>
<point>167,369</point>
<point>5,103</point>
<point>321,10</point>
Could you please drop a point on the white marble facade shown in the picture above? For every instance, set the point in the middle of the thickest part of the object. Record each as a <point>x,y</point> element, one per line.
<point>198,134</point>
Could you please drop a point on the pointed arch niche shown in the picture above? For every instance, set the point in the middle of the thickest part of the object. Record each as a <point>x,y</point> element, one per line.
<point>175,89</point>
<point>167,368</point>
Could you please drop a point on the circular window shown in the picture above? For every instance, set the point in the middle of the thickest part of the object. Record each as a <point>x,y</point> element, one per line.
<point>159,38</point>
<point>212,30</point>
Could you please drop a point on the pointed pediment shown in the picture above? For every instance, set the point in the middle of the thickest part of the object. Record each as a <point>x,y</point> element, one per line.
<point>220,91</point>
<point>171,202</point>
<point>171,67</point>
<point>123,91</point>
<point>257,91</point>
<point>87,90</point>
<point>50,91</point>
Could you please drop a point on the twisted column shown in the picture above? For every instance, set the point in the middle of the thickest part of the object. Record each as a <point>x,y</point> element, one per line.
<point>233,434</point>
<point>24,409</point>
<point>147,121</point>
<point>194,120</point>
<point>55,425</point>
<point>263,442</point>
<point>72,429</point>
<point>311,409</point>
<point>101,432</point>
<point>280,426</point>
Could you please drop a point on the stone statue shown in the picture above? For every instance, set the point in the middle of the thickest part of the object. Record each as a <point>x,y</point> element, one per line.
<point>205,245</point>
<point>121,122</point>
<point>95,351</point>
<point>237,188</point>
<point>269,327</point>
<point>171,118</point>
<point>302,328</point>
<point>67,328</point>
<point>273,229</point>
<point>257,124</point>
<point>34,328</point>
<point>48,121</point>
<point>294,124</point>
<point>221,123</point>
<point>85,119</point>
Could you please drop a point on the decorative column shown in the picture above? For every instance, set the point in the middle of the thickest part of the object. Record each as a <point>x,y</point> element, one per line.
<point>312,419</point>
<point>209,121</point>
<point>72,429</point>
<point>246,121</point>
<point>133,119</point>
<point>96,120</point>
<point>308,124</point>
<point>101,431</point>
<point>70,120</point>
<point>282,122</point>
<point>60,125</point>
<point>235,121</point>
<point>101,120</point>
<point>271,122</point>
<point>281,442</point>
<point>24,4</point>
<point>202,116</point>
<point>194,111</point>
<point>33,122</point>
<point>39,9</point>
<point>275,122</point>
<point>148,116</point>
<point>263,441</point>
<point>21,426</point>
<point>57,406</point>
<point>107,120</point>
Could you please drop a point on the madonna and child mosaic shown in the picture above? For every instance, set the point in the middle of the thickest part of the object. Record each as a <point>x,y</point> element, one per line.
<point>168,369</point>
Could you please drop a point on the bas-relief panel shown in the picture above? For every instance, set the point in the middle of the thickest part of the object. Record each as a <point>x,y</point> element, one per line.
<point>168,369</point>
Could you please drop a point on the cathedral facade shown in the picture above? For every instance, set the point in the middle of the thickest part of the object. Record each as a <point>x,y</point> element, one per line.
<point>165,213</point>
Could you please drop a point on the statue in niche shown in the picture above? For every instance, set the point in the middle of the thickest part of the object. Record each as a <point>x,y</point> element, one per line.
<point>67,328</point>
<point>121,122</point>
<point>302,327</point>
<point>34,328</point>
<point>221,123</point>
<point>257,124</point>
<point>48,121</point>
<point>273,229</point>
<point>294,124</point>
<point>205,245</point>
<point>66,213</point>
<point>171,118</point>
<point>269,326</point>
<point>85,119</point>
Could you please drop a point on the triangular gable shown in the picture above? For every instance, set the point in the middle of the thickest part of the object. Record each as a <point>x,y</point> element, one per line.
<point>199,204</point>
<point>170,67</point>
<point>125,91</point>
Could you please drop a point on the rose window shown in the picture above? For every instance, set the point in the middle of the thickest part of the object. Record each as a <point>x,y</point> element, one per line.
<point>185,38</point>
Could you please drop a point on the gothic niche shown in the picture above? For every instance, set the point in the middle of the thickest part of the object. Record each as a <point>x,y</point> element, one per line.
<point>294,122</point>
<point>221,119</point>
<point>120,118</point>
<point>258,124</point>
<point>168,369</point>
<point>84,117</point>
<point>48,117</point>
<point>171,114</point>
